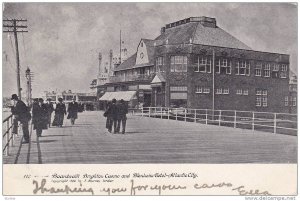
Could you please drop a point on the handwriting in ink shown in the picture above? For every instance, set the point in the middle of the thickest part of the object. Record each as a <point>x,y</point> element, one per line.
<point>159,188</point>
<point>243,192</point>
<point>43,189</point>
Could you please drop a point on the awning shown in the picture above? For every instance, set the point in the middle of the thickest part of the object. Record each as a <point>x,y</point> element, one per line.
<point>125,95</point>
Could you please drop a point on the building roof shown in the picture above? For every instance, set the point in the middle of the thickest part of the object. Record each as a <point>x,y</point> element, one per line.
<point>127,64</point>
<point>197,33</point>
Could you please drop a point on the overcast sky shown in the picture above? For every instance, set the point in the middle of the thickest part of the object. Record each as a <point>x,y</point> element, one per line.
<point>64,39</point>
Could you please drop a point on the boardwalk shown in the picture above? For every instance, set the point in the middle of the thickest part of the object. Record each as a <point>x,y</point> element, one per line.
<point>151,140</point>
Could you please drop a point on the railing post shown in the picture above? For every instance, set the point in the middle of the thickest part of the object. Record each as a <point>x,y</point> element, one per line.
<point>234,123</point>
<point>168,113</point>
<point>185,111</point>
<point>176,114</point>
<point>155,111</point>
<point>253,121</point>
<point>142,111</point>
<point>161,112</point>
<point>220,117</point>
<point>149,110</point>
<point>206,117</point>
<point>11,124</point>
<point>10,133</point>
<point>275,123</point>
<point>7,140</point>
<point>195,116</point>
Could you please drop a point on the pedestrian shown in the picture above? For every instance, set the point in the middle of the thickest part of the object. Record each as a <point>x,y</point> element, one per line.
<point>108,116</point>
<point>113,111</point>
<point>39,117</point>
<point>60,112</point>
<point>122,111</point>
<point>50,109</point>
<point>22,114</point>
<point>73,111</point>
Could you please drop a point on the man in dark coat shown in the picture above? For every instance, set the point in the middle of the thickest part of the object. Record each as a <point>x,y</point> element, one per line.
<point>22,114</point>
<point>39,117</point>
<point>107,114</point>
<point>122,111</point>
<point>113,111</point>
<point>60,112</point>
<point>73,111</point>
<point>50,109</point>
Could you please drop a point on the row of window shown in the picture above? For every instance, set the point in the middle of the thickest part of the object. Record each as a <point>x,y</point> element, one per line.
<point>223,66</point>
<point>293,101</point>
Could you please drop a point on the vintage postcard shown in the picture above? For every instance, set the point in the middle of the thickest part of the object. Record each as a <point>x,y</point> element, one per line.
<point>111,98</point>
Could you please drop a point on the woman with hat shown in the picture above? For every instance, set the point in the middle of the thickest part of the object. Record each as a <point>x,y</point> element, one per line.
<point>60,112</point>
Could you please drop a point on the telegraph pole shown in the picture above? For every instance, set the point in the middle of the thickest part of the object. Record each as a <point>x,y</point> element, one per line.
<point>14,26</point>
<point>29,76</point>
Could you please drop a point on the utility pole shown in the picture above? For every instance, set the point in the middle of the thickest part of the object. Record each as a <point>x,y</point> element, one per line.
<point>120,46</point>
<point>99,67</point>
<point>14,26</point>
<point>29,76</point>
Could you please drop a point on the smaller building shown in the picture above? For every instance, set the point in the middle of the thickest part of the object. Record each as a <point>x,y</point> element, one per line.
<point>88,100</point>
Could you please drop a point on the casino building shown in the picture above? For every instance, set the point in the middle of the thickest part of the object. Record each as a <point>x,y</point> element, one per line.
<point>196,64</point>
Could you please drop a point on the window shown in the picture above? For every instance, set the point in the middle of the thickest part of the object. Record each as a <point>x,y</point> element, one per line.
<point>283,73</point>
<point>276,67</point>
<point>294,101</point>
<point>245,92</point>
<point>223,66</point>
<point>206,90</point>
<point>159,64</point>
<point>239,91</point>
<point>203,64</point>
<point>178,88</point>
<point>261,98</point>
<point>219,91</point>
<point>286,101</point>
<point>258,101</point>
<point>178,63</point>
<point>267,70</point>
<point>226,91</point>
<point>258,68</point>
<point>242,68</point>
<point>198,90</point>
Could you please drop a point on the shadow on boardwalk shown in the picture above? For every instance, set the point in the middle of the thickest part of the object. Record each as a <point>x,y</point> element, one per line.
<point>150,140</point>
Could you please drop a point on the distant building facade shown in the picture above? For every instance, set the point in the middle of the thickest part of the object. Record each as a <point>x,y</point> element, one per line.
<point>193,63</point>
<point>291,100</point>
<point>89,100</point>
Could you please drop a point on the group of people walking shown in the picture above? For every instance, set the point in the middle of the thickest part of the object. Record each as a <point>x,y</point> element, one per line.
<point>116,115</point>
<point>41,114</point>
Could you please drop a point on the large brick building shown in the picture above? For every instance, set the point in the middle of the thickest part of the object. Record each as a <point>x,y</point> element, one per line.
<point>194,63</point>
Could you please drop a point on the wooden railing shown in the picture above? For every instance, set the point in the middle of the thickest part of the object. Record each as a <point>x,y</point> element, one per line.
<point>8,123</point>
<point>283,123</point>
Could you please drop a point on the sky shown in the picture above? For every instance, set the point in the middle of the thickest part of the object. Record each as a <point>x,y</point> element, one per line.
<point>64,39</point>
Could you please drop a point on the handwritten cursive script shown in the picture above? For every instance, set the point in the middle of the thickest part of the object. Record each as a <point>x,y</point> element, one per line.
<point>159,188</point>
<point>43,189</point>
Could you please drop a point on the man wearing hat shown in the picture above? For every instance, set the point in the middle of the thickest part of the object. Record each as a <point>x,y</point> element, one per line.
<point>122,111</point>
<point>39,117</point>
<point>60,112</point>
<point>50,109</point>
<point>22,114</point>
<point>73,111</point>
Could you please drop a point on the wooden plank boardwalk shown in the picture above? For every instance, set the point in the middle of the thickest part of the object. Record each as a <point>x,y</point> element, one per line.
<point>151,140</point>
